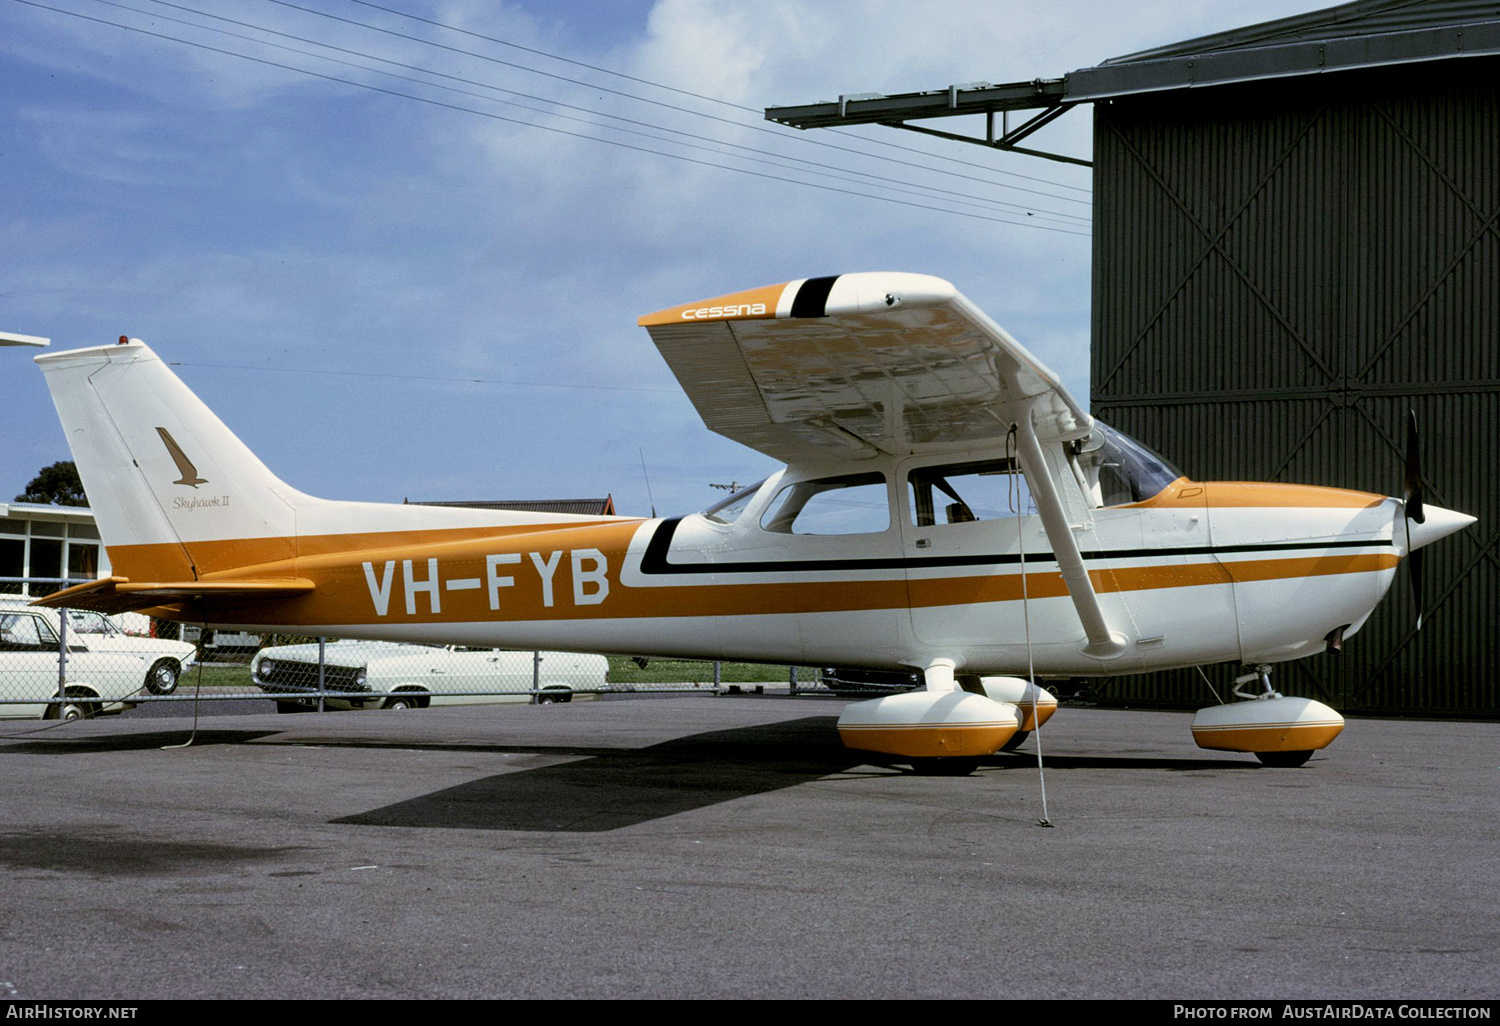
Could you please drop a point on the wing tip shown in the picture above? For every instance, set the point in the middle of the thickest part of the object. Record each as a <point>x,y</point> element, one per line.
<point>859,292</point>
<point>751,304</point>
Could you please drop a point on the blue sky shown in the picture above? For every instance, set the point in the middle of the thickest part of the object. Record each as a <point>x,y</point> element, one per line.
<point>391,298</point>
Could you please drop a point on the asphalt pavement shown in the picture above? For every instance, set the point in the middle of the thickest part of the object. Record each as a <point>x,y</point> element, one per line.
<point>730,847</point>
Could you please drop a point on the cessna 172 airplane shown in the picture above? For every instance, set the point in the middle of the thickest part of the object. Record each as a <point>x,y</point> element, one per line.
<point>946,506</point>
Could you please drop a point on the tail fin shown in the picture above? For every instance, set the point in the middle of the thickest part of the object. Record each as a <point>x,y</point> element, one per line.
<point>174,492</point>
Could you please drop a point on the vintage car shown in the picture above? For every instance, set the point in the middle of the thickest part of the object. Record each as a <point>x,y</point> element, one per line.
<point>857,683</point>
<point>402,676</point>
<point>105,666</point>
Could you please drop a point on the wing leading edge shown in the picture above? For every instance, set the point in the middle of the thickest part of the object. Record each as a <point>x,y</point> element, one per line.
<point>857,364</point>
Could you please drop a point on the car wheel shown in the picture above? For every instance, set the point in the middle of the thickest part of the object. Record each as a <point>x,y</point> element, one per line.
<point>400,703</point>
<point>1283,760</point>
<point>162,678</point>
<point>555,694</point>
<point>77,709</point>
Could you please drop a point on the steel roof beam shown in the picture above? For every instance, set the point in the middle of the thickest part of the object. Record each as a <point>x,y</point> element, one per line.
<point>878,109</point>
<point>897,111</point>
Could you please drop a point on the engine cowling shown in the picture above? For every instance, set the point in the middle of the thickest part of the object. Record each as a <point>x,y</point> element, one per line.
<point>929,724</point>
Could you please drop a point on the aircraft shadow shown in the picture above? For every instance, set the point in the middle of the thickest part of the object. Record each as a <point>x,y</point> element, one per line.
<point>1027,760</point>
<point>616,789</point>
<point>128,742</point>
<point>103,854</point>
<point>610,789</point>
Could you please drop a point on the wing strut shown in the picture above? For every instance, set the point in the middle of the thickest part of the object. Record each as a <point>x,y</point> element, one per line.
<point>1103,643</point>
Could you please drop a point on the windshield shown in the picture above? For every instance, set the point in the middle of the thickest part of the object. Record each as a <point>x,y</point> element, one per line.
<point>1120,469</point>
<point>727,511</point>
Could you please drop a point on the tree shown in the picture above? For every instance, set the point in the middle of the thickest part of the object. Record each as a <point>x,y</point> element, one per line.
<point>57,485</point>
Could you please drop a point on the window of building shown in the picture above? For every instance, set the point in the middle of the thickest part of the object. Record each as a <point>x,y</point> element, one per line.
<point>12,564</point>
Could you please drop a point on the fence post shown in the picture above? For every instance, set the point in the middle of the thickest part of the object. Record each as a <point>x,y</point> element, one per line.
<point>794,681</point>
<point>321,639</point>
<point>536,677</point>
<point>62,658</point>
<point>716,675</point>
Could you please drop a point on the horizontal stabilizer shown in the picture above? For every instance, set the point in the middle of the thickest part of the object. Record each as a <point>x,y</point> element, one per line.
<point>121,595</point>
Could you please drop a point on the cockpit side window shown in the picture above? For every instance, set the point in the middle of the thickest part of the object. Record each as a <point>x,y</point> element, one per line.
<point>961,493</point>
<point>847,504</point>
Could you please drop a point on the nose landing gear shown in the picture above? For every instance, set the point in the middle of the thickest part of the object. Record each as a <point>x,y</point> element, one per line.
<point>1280,731</point>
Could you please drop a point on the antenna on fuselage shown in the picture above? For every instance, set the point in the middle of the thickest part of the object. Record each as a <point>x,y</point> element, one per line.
<point>651,498</point>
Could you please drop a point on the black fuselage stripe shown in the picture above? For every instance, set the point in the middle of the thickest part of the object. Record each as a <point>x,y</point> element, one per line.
<point>812,297</point>
<point>655,559</point>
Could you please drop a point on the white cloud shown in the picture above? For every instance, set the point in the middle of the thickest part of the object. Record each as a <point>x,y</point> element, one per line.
<point>233,213</point>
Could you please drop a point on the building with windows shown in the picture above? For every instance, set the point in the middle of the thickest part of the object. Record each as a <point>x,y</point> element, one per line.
<point>50,543</point>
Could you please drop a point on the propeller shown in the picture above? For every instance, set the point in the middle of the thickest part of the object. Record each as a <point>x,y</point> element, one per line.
<point>1415,512</point>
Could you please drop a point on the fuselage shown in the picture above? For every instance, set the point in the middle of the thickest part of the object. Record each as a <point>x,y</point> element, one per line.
<point>864,573</point>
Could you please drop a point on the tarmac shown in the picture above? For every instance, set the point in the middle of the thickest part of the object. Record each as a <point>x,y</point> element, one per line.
<point>729,847</point>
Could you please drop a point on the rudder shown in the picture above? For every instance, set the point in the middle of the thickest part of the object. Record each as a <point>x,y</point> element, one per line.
<point>175,493</point>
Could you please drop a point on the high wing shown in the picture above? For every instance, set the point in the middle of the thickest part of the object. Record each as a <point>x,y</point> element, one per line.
<point>880,362</point>
<point>871,362</point>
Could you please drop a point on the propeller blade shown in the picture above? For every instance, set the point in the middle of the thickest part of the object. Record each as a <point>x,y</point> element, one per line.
<point>1415,512</point>
<point>1412,488</point>
<point>1414,567</point>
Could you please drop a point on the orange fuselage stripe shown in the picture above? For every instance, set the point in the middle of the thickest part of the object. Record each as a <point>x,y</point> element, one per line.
<point>336,565</point>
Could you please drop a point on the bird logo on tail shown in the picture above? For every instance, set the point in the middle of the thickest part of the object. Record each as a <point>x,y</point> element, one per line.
<point>184,465</point>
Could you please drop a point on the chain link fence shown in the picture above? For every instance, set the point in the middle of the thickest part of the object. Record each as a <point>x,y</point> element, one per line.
<point>71,664</point>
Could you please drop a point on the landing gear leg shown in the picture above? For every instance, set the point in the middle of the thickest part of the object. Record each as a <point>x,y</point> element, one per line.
<point>1262,673</point>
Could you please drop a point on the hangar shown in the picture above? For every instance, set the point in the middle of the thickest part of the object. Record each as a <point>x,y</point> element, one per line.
<point>1296,242</point>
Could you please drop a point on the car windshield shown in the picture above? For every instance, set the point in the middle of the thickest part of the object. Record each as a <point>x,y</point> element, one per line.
<point>1123,469</point>
<point>91,623</point>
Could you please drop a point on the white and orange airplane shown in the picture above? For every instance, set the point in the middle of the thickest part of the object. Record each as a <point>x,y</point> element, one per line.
<point>946,506</point>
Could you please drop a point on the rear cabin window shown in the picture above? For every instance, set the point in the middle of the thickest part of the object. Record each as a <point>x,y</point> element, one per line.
<point>847,504</point>
<point>728,510</point>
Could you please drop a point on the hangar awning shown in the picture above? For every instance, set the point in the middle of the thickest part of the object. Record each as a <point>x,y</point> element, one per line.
<point>1367,34</point>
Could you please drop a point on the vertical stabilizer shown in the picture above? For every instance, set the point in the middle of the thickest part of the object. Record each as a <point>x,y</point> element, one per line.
<point>175,493</point>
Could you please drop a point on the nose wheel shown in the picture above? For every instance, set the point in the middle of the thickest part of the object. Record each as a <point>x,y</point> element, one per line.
<point>1281,732</point>
<point>1284,760</point>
